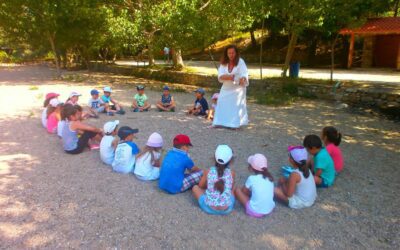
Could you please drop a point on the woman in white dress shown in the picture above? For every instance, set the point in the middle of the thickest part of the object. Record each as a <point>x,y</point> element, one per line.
<point>231,111</point>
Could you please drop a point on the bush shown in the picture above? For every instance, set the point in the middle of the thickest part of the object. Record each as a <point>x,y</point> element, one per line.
<point>4,58</point>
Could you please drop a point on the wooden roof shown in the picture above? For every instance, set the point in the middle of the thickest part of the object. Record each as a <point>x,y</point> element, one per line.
<point>376,26</point>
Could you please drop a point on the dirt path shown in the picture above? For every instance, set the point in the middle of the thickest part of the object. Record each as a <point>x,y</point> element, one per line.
<point>52,200</point>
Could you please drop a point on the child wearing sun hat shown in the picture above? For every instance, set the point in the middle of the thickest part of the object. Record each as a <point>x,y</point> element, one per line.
<point>49,96</point>
<point>299,190</point>
<point>257,195</point>
<point>148,161</point>
<point>109,142</point>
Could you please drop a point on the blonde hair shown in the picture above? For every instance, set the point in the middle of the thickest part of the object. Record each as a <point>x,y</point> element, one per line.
<point>148,149</point>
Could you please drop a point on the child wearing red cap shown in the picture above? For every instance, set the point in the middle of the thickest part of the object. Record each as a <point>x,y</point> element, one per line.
<point>173,176</point>
<point>258,192</point>
<point>48,98</point>
<point>299,190</point>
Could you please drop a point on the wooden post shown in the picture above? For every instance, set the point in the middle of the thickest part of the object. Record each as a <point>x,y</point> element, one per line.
<point>351,52</point>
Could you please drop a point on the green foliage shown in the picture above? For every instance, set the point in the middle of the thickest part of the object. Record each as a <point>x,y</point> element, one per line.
<point>4,58</point>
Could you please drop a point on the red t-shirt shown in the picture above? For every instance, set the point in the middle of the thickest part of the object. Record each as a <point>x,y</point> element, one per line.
<point>337,157</point>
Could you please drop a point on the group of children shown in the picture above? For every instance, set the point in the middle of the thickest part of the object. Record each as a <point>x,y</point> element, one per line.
<point>214,188</point>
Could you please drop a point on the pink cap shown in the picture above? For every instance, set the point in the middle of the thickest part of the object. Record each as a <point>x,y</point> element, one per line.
<point>258,161</point>
<point>298,153</point>
<point>215,96</point>
<point>51,95</point>
<point>155,140</point>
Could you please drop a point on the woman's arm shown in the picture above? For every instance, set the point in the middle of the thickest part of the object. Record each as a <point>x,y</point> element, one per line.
<point>243,73</point>
<point>77,125</point>
<point>222,74</point>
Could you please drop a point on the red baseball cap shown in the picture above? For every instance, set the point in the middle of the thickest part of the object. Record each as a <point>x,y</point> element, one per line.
<point>182,140</point>
<point>51,95</point>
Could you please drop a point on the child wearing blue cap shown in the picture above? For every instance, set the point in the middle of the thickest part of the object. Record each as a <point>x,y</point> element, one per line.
<point>126,151</point>
<point>140,103</point>
<point>112,106</point>
<point>167,102</point>
<point>200,107</point>
<point>96,105</point>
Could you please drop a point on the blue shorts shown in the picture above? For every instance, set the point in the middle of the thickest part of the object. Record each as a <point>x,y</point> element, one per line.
<point>209,210</point>
<point>323,184</point>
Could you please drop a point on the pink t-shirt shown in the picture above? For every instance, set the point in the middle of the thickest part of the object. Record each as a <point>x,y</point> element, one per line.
<point>52,123</point>
<point>337,157</point>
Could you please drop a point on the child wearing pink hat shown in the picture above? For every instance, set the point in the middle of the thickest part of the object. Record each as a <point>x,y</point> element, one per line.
<point>214,101</point>
<point>257,195</point>
<point>49,96</point>
<point>148,160</point>
<point>299,190</point>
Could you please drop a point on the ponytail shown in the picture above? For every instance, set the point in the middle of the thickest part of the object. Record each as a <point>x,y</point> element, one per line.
<point>332,134</point>
<point>220,184</point>
<point>303,168</point>
<point>266,174</point>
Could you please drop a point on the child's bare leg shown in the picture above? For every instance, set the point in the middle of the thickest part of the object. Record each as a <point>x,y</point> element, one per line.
<point>242,196</point>
<point>280,195</point>
<point>197,191</point>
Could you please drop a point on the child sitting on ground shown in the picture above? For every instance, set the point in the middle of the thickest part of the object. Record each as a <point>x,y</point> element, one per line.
<point>49,97</point>
<point>332,138</point>
<point>53,115</point>
<point>63,119</point>
<point>257,195</point>
<point>73,126</point>
<point>200,107</point>
<point>299,190</point>
<point>109,142</point>
<point>148,161</point>
<point>322,163</point>
<point>172,174</point>
<point>214,101</point>
<point>112,106</point>
<point>140,102</point>
<point>73,98</point>
<point>215,190</point>
<point>167,102</point>
<point>126,151</point>
<point>96,104</point>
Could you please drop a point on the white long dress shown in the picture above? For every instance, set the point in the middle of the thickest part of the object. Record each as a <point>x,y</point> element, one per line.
<point>231,110</point>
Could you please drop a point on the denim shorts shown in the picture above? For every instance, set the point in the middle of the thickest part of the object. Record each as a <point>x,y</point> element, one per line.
<point>206,208</point>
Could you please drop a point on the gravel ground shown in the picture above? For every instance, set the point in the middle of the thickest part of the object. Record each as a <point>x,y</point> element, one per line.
<point>49,199</point>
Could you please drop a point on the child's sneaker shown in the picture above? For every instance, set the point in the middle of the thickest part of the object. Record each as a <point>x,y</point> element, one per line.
<point>94,146</point>
<point>121,112</point>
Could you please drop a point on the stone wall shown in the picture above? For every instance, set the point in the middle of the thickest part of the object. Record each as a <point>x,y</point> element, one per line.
<point>371,95</point>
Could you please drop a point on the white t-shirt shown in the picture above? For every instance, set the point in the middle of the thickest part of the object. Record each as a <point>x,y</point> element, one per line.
<point>306,189</point>
<point>125,157</point>
<point>44,118</point>
<point>262,194</point>
<point>143,167</point>
<point>107,150</point>
<point>60,127</point>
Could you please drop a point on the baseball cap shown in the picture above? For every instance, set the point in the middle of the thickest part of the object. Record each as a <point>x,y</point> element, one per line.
<point>298,153</point>
<point>182,139</point>
<point>258,161</point>
<point>110,126</point>
<point>94,92</point>
<point>155,140</point>
<point>54,102</point>
<point>140,87</point>
<point>51,95</point>
<point>107,89</point>
<point>223,154</point>
<point>165,87</point>
<point>200,90</point>
<point>74,93</point>
<point>125,131</point>
<point>215,96</point>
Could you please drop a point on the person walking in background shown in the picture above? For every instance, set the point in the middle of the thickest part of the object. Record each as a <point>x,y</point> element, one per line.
<point>166,54</point>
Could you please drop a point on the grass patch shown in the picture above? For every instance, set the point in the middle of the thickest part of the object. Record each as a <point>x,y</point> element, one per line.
<point>278,98</point>
<point>33,88</point>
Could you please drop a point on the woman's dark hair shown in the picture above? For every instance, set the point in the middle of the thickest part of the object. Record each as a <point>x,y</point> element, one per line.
<point>68,110</point>
<point>332,135</point>
<point>220,184</point>
<point>312,141</point>
<point>225,58</point>
<point>265,173</point>
<point>78,108</point>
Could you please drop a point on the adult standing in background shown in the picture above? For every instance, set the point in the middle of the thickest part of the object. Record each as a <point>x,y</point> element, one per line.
<point>166,54</point>
<point>231,111</point>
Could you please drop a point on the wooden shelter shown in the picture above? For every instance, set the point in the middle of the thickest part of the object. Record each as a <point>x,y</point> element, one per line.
<point>381,43</point>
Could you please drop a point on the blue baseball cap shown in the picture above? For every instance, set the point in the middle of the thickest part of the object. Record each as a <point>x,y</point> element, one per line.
<point>140,87</point>
<point>125,131</point>
<point>200,90</point>
<point>94,92</point>
<point>165,87</point>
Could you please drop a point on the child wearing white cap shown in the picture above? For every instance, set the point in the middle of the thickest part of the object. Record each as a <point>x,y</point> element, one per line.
<point>112,106</point>
<point>257,195</point>
<point>73,98</point>
<point>148,163</point>
<point>215,190</point>
<point>299,190</point>
<point>109,142</point>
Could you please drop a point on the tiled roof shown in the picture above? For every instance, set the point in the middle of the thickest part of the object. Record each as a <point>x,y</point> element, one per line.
<point>377,26</point>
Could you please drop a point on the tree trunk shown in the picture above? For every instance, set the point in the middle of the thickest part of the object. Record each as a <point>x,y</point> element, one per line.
<point>333,45</point>
<point>396,8</point>
<point>311,51</point>
<point>253,38</point>
<point>289,53</point>
<point>177,59</point>
<point>51,38</point>
<point>261,48</point>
